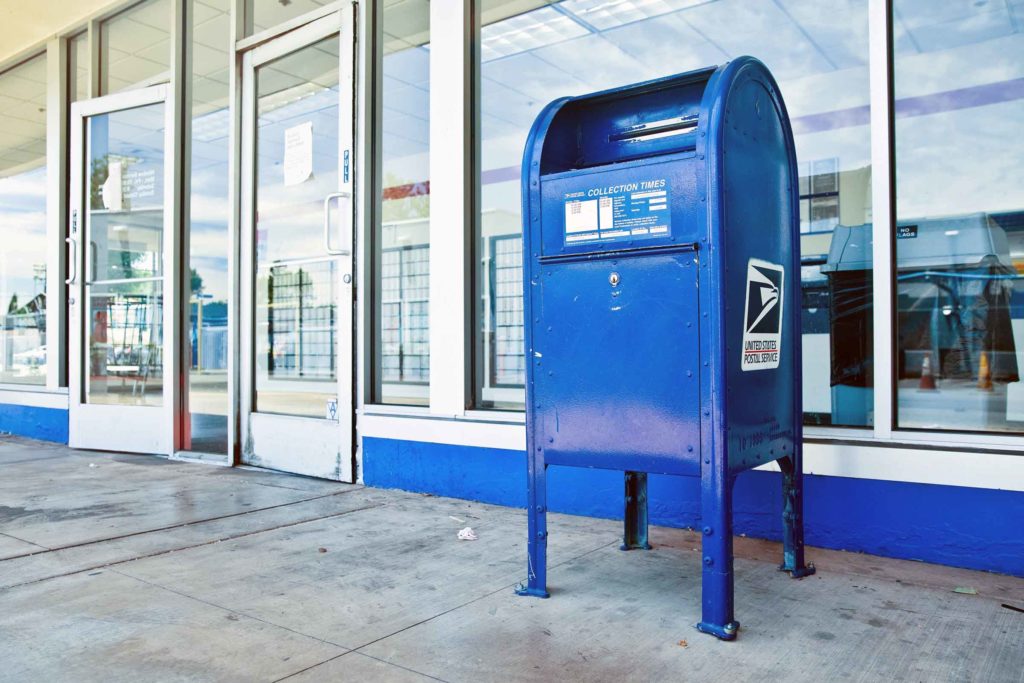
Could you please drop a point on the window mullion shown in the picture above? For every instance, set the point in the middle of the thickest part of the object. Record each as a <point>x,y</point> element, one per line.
<point>451,203</point>
<point>882,184</point>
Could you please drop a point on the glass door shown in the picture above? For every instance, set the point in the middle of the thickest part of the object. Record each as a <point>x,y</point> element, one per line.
<point>297,251</point>
<point>121,294</point>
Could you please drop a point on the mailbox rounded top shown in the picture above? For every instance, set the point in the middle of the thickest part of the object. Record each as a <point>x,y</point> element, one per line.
<point>653,118</point>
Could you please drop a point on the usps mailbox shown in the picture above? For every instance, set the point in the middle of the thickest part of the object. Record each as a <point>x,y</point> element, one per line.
<point>661,284</point>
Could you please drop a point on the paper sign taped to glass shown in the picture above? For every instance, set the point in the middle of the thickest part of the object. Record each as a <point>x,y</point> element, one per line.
<point>298,153</point>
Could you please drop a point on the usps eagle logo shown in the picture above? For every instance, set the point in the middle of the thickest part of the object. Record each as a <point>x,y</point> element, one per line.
<point>762,328</point>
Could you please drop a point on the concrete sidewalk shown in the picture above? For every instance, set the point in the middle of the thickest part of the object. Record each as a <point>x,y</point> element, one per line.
<point>129,568</point>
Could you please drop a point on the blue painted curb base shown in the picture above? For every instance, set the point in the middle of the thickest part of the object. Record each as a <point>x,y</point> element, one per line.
<point>46,424</point>
<point>923,522</point>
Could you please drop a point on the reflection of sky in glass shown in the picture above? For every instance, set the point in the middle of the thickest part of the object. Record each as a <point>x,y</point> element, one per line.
<point>23,223</point>
<point>23,234</point>
<point>401,347</point>
<point>959,77</point>
<point>812,48</point>
<point>406,133</point>
<point>817,52</point>
<point>290,218</point>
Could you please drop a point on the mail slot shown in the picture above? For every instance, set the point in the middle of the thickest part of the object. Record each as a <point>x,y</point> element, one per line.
<point>661,286</point>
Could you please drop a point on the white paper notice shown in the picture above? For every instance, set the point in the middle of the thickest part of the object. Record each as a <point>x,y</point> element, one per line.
<point>112,190</point>
<point>298,153</point>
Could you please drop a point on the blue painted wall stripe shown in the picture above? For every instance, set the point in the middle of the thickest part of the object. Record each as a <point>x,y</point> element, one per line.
<point>47,424</point>
<point>951,525</point>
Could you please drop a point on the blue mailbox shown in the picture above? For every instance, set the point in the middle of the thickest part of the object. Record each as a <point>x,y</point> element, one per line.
<point>662,285</point>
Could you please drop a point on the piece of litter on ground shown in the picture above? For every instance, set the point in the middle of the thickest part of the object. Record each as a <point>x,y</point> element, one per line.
<point>966,590</point>
<point>460,521</point>
<point>683,643</point>
<point>92,464</point>
<point>467,534</point>
<point>321,550</point>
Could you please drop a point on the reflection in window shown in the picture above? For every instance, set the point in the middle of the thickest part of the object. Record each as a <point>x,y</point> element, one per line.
<point>405,342</point>
<point>209,243</point>
<point>124,231</point>
<point>23,223</point>
<point>534,52</point>
<point>960,215</point>
<point>296,328</point>
<point>402,344</point>
<point>135,46</point>
<point>263,14</point>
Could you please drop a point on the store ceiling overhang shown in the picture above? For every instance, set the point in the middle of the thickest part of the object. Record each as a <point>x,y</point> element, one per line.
<point>25,24</point>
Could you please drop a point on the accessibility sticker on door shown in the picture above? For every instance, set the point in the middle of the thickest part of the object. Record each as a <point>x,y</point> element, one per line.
<point>762,319</point>
<point>332,409</point>
<point>626,211</point>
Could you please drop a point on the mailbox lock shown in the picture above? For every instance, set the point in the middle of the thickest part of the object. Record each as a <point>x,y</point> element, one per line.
<point>613,279</point>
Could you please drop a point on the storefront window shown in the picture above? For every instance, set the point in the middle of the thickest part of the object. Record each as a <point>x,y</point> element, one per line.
<point>959,69</point>
<point>208,241</point>
<point>23,353</point>
<point>402,347</point>
<point>817,52</point>
<point>135,46</point>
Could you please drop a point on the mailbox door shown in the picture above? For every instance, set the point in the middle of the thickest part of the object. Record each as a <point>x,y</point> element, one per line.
<point>616,363</point>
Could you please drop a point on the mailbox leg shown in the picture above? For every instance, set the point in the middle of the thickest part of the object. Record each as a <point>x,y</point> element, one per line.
<point>537,528</point>
<point>793,518</point>
<point>716,554</point>
<point>634,535</point>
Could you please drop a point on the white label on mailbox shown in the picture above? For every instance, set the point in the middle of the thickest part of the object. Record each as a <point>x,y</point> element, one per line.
<point>580,216</point>
<point>762,316</point>
<point>624,211</point>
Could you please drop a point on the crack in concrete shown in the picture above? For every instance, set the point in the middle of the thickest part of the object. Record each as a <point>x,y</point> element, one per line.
<point>174,526</point>
<point>108,565</point>
<point>228,609</point>
<point>23,541</point>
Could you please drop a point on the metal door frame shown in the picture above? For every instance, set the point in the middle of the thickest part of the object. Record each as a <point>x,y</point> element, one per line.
<point>148,429</point>
<point>265,433</point>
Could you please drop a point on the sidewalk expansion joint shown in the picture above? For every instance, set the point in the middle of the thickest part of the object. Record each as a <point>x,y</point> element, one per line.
<point>175,526</point>
<point>23,541</point>
<point>115,563</point>
<point>232,611</point>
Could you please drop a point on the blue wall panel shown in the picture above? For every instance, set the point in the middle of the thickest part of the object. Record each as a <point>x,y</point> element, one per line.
<point>48,424</point>
<point>952,525</point>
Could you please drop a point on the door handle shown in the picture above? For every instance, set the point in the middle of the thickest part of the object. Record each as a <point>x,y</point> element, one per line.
<point>90,262</point>
<point>346,221</point>
<point>72,260</point>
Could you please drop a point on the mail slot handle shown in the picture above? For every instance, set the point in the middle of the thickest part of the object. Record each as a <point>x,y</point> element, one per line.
<point>656,129</point>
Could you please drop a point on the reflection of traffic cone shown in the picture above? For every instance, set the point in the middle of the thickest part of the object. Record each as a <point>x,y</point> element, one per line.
<point>984,373</point>
<point>927,382</point>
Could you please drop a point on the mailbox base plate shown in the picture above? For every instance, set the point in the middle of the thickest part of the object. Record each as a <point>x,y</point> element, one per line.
<point>799,572</point>
<point>528,592</point>
<point>727,632</point>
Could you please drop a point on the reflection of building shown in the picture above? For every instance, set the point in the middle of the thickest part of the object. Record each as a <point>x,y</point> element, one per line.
<point>500,307</point>
<point>955,320</point>
<point>300,327</point>
<point>404,320</point>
